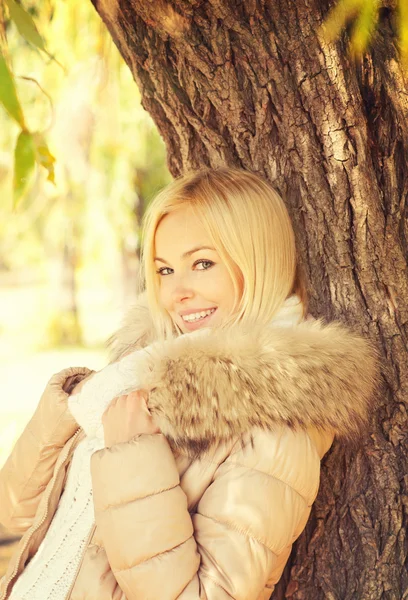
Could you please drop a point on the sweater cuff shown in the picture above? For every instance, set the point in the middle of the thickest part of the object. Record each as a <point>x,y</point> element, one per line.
<point>72,381</point>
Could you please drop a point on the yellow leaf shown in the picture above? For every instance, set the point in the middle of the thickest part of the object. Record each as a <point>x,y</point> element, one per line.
<point>44,156</point>
<point>364,27</point>
<point>339,16</point>
<point>364,15</point>
<point>403,31</point>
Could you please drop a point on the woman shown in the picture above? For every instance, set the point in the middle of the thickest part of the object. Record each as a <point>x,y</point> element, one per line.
<point>188,467</point>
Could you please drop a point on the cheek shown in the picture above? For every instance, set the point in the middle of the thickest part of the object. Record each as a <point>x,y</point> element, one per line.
<point>161,294</point>
<point>165,295</point>
<point>223,287</point>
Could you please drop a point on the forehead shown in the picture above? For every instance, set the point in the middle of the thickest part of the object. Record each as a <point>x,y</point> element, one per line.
<point>179,231</point>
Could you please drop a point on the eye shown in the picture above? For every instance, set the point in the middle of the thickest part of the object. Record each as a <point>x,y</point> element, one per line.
<point>206,264</point>
<point>162,269</point>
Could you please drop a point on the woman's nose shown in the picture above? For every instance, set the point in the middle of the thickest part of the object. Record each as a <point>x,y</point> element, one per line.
<point>182,290</point>
<point>181,294</point>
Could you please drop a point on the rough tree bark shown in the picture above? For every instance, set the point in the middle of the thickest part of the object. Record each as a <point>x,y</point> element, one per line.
<point>249,84</point>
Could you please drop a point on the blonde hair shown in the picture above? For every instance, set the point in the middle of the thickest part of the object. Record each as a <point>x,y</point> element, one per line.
<point>250,229</point>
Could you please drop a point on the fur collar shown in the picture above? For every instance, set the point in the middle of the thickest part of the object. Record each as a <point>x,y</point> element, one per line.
<point>216,385</point>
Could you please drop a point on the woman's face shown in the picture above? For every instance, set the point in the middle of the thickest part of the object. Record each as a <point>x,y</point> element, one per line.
<point>196,288</point>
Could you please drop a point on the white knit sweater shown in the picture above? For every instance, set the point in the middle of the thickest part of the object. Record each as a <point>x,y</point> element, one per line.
<point>51,572</point>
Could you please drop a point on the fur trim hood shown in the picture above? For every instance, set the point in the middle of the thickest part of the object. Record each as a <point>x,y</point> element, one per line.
<point>215,385</point>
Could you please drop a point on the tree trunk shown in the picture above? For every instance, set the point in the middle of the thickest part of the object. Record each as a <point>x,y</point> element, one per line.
<point>250,84</point>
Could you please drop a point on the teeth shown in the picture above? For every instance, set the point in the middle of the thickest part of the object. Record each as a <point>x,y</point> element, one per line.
<point>198,315</point>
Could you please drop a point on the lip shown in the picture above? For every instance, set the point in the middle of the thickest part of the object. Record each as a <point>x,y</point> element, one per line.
<point>191,311</point>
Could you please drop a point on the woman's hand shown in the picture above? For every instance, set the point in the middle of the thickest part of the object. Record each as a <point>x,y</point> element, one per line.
<point>127,416</point>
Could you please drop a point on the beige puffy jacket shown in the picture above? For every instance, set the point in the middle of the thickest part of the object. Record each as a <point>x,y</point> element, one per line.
<point>210,508</point>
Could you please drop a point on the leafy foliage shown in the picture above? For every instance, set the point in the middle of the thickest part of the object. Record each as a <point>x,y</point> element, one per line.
<point>81,233</point>
<point>363,16</point>
<point>30,147</point>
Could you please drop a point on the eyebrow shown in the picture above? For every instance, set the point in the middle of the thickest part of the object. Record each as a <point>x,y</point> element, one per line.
<point>188,253</point>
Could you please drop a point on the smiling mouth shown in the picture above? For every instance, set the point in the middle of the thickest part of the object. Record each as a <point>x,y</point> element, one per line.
<point>199,316</point>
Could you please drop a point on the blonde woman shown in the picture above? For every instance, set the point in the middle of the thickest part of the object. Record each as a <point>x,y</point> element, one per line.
<point>188,466</point>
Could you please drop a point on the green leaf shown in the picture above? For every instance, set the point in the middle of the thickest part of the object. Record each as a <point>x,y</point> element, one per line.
<point>44,156</point>
<point>25,24</point>
<point>8,93</point>
<point>27,28</point>
<point>24,162</point>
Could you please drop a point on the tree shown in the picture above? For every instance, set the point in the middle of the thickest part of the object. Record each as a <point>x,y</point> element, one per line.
<point>253,84</point>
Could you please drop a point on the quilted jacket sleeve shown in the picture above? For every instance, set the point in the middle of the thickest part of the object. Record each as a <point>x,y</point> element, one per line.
<point>237,541</point>
<point>30,465</point>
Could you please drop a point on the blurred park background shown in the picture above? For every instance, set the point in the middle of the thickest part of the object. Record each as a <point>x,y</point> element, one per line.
<point>68,250</point>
